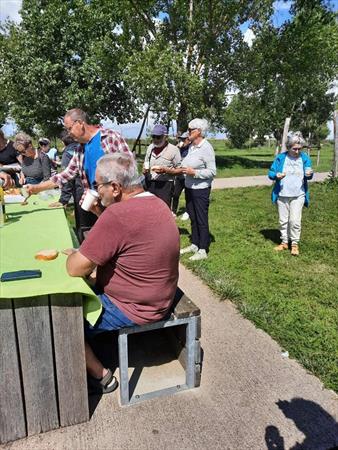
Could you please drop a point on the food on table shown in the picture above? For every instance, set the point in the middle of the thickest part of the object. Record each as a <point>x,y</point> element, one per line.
<point>46,255</point>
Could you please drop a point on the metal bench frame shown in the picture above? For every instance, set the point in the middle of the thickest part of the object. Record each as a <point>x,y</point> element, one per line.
<point>192,356</point>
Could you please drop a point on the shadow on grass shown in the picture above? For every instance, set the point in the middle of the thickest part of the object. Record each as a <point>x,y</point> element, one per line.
<point>271,234</point>
<point>230,161</point>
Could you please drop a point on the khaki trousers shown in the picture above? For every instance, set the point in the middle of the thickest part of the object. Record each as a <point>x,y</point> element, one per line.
<point>290,218</point>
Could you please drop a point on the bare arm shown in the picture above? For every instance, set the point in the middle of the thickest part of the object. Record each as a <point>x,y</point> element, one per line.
<point>44,186</point>
<point>78,265</point>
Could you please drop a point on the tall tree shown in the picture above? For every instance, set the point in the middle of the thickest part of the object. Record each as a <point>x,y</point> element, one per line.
<point>63,55</point>
<point>190,55</point>
<point>294,67</point>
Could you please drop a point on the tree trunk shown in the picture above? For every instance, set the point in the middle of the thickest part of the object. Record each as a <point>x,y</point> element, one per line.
<point>285,133</point>
<point>182,119</point>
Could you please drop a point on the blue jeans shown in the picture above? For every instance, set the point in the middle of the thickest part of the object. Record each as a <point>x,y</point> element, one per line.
<point>31,180</point>
<point>111,318</point>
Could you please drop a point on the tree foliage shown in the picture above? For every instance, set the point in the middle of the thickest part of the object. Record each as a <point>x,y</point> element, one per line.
<point>180,57</point>
<point>63,55</point>
<point>294,66</point>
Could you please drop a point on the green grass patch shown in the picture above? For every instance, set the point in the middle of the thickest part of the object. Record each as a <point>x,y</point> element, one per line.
<point>257,160</point>
<point>293,299</point>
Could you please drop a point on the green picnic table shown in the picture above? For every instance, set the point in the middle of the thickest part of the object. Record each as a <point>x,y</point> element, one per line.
<point>42,360</point>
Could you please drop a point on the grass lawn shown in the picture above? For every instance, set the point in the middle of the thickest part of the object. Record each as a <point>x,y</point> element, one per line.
<point>254,161</point>
<point>257,160</point>
<point>293,299</point>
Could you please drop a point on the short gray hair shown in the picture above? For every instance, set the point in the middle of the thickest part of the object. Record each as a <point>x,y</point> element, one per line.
<point>118,167</point>
<point>77,114</point>
<point>295,138</point>
<point>22,139</point>
<point>201,124</point>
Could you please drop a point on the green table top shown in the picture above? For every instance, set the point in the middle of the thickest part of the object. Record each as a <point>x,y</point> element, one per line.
<point>31,228</point>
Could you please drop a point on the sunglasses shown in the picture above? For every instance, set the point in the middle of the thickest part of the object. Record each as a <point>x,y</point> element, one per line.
<point>155,136</point>
<point>191,129</point>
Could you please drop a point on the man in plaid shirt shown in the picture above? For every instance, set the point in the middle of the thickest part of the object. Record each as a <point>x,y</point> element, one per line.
<point>95,142</point>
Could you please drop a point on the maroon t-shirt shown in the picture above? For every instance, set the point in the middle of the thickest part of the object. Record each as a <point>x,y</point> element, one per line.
<point>135,244</point>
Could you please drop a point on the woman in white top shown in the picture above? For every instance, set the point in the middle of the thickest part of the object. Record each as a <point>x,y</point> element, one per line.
<point>290,171</point>
<point>199,168</point>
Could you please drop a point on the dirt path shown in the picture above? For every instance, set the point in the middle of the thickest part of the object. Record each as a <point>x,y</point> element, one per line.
<point>251,398</point>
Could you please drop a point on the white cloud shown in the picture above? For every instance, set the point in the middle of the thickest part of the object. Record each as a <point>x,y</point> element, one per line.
<point>282,6</point>
<point>249,36</point>
<point>9,9</point>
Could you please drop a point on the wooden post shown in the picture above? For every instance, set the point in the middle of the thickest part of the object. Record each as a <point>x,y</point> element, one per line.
<point>285,133</point>
<point>335,131</point>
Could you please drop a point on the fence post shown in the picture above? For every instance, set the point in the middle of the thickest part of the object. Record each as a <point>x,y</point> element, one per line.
<point>335,131</point>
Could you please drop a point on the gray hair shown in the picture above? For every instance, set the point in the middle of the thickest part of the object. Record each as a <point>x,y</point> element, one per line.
<point>22,139</point>
<point>118,167</point>
<point>295,138</point>
<point>77,114</point>
<point>201,124</point>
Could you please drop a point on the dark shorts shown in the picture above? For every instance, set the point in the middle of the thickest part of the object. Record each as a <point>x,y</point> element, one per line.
<point>111,318</point>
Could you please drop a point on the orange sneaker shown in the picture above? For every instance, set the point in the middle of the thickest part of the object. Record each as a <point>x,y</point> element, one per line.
<point>282,246</point>
<point>294,250</point>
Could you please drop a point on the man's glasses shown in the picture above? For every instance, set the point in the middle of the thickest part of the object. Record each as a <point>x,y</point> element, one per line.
<point>154,136</point>
<point>69,130</point>
<point>191,129</point>
<point>96,186</point>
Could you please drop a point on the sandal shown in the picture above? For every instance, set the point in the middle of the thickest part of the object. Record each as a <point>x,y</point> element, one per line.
<point>106,385</point>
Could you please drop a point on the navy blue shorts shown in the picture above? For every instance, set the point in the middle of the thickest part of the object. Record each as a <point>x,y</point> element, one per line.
<point>111,318</point>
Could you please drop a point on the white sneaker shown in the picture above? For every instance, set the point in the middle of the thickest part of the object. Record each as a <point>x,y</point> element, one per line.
<point>201,254</point>
<point>190,249</point>
<point>185,216</point>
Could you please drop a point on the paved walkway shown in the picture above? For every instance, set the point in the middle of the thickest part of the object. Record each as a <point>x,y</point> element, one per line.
<point>255,180</point>
<point>251,398</point>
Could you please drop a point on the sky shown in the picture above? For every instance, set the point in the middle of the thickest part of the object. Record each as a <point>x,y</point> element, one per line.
<point>9,9</point>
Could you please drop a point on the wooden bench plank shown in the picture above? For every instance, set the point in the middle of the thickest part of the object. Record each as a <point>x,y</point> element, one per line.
<point>12,414</point>
<point>67,319</point>
<point>184,307</point>
<point>36,358</point>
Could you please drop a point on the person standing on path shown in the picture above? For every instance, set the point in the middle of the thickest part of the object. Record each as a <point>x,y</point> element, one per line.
<point>199,168</point>
<point>160,154</point>
<point>291,171</point>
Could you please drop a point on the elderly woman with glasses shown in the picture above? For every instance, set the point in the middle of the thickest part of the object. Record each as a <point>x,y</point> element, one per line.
<point>35,165</point>
<point>291,170</point>
<point>159,156</point>
<point>199,168</point>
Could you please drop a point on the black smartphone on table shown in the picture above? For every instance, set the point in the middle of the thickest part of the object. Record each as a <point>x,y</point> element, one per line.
<point>20,275</point>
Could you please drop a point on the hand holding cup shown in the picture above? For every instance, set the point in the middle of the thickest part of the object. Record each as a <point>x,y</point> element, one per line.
<point>280,175</point>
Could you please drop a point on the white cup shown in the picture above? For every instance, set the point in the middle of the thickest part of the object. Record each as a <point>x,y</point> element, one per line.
<point>146,165</point>
<point>89,199</point>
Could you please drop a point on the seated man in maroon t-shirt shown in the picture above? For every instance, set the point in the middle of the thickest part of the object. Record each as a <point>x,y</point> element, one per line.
<point>134,245</point>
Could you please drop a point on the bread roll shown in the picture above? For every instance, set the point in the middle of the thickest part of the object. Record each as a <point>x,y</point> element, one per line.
<point>46,255</point>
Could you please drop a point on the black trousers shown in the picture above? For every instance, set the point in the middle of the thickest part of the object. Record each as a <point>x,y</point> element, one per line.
<point>197,203</point>
<point>178,188</point>
<point>162,190</point>
<point>84,220</point>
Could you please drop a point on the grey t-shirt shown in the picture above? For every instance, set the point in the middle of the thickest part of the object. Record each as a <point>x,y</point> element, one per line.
<point>39,168</point>
<point>200,157</point>
<point>170,156</point>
